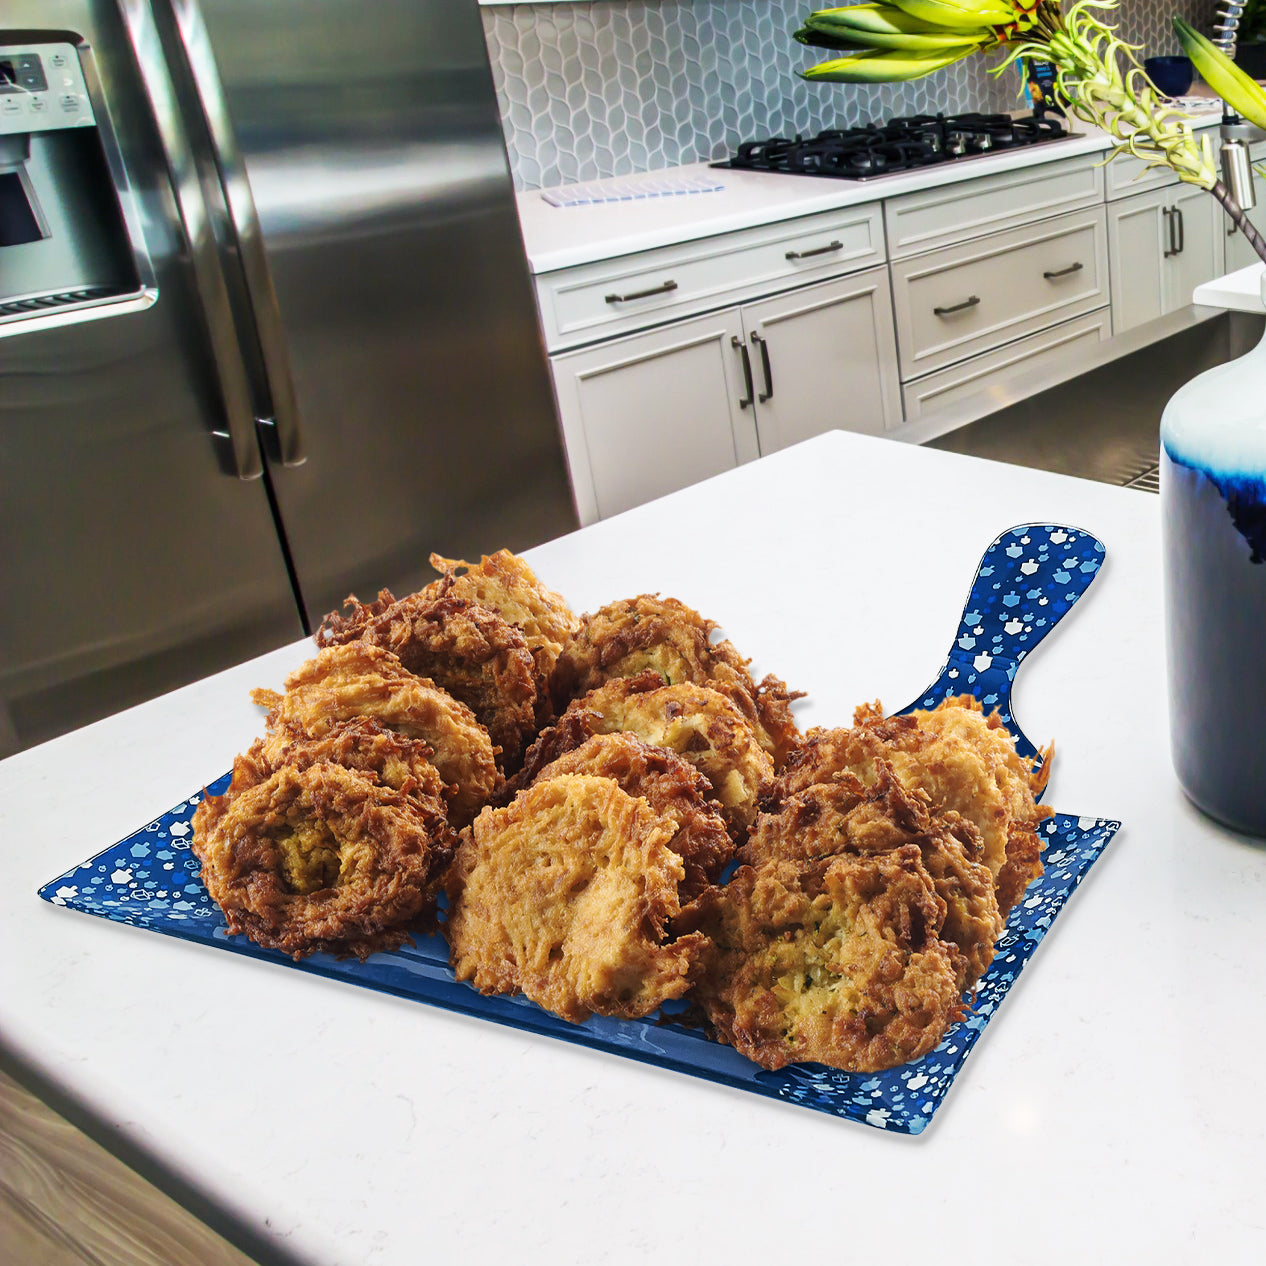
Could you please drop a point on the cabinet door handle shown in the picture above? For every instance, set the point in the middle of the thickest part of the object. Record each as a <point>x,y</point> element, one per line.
<point>817,250</point>
<point>1051,274</point>
<point>735,341</point>
<point>1182,231</point>
<point>970,302</point>
<point>768,393</point>
<point>643,294</point>
<point>1168,213</point>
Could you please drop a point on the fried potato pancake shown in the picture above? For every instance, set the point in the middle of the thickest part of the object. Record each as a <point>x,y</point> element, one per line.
<point>965,761</point>
<point>358,679</point>
<point>846,817</point>
<point>649,632</point>
<point>478,657</point>
<point>362,743</point>
<point>697,722</point>
<point>504,583</point>
<point>836,960</point>
<point>672,787</point>
<point>566,895</point>
<point>319,859</point>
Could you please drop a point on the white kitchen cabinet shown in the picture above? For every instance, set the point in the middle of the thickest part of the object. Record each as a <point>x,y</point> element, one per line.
<point>633,292</point>
<point>993,380</point>
<point>650,413</point>
<point>823,357</point>
<point>962,300</point>
<point>1162,244</point>
<point>947,214</point>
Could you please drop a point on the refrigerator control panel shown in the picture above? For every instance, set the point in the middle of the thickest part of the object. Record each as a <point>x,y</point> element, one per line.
<point>42,89</point>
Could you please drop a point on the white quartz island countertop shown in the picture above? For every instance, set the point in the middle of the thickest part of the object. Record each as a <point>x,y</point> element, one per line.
<point>1240,291</point>
<point>1109,1113</point>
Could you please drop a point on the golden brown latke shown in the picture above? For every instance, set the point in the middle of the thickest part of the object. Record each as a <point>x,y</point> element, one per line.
<point>672,787</point>
<point>504,583</point>
<point>662,634</point>
<point>468,650</point>
<point>566,895</point>
<point>830,819</point>
<point>696,722</point>
<point>362,743</point>
<point>965,761</point>
<point>837,961</point>
<point>320,858</point>
<point>358,679</point>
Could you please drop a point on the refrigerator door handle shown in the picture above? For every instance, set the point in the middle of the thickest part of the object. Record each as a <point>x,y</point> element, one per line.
<point>195,223</point>
<point>204,75</point>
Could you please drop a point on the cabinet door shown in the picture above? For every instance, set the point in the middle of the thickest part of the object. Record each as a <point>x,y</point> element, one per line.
<point>824,358</point>
<point>645,415</point>
<point>1136,244</point>
<point>1197,231</point>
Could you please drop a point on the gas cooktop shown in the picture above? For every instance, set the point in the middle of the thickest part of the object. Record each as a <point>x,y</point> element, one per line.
<point>860,153</point>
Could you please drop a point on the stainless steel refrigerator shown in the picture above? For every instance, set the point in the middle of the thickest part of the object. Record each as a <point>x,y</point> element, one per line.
<point>267,334</point>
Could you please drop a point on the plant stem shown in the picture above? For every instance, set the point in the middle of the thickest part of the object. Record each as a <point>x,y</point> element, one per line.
<point>1239,219</point>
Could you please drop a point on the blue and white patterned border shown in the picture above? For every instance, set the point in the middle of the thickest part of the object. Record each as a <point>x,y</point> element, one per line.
<point>150,880</point>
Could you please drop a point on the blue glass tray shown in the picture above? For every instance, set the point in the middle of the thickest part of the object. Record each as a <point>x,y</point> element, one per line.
<point>150,880</point>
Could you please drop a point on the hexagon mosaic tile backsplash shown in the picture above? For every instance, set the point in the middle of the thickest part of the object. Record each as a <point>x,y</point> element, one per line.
<point>604,88</point>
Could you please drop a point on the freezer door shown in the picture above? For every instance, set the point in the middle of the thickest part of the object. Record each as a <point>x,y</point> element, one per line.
<point>372,152</point>
<point>133,557</point>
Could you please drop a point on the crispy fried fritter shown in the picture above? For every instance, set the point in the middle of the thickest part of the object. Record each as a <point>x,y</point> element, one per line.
<point>696,722</point>
<point>672,787</point>
<point>362,743</point>
<point>662,634</point>
<point>470,651</point>
<point>965,761</point>
<point>837,960</point>
<point>504,583</point>
<point>320,858</point>
<point>842,817</point>
<point>565,895</point>
<point>358,679</point>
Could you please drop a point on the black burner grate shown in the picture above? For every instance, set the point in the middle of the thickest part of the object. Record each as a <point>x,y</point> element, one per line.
<point>900,145</point>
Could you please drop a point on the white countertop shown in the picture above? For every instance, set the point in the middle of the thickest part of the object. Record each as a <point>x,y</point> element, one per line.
<point>1240,291</point>
<point>1108,1114</point>
<point>563,237</point>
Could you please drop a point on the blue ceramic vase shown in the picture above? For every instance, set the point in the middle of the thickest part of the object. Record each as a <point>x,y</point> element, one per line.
<point>1213,511</point>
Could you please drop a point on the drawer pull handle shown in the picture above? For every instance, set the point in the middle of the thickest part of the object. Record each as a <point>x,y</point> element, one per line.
<point>768,393</point>
<point>817,250</point>
<point>969,302</point>
<point>735,341</point>
<point>643,294</point>
<point>1063,272</point>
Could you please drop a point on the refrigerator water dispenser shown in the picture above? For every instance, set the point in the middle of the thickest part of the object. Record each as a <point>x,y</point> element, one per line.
<point>64,240</point>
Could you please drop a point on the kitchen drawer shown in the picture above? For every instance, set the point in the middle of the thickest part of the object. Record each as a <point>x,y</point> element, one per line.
<point>945,214</point>
<point>617,296</point>
<point>989,381</point>
<point>963,300</point>
<point>1127,176</point>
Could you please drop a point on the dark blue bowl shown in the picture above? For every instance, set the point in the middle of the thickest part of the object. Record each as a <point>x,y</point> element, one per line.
<point>1172,75</point>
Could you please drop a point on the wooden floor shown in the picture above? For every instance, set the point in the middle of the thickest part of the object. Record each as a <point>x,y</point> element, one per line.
<point>66,1201</point>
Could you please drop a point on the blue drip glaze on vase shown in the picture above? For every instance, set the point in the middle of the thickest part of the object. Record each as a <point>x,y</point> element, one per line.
<point>1213,509</point>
